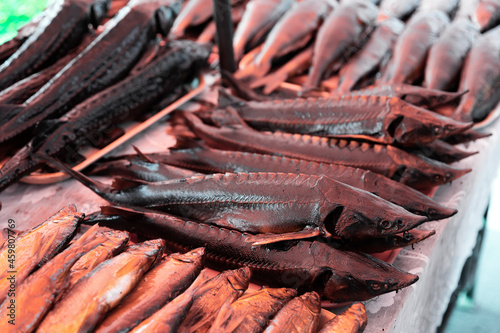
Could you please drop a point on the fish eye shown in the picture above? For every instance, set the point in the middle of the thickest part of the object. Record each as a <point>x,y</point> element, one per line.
<point>385,224</point>
<point>375,286</point>
<point>436,177</point>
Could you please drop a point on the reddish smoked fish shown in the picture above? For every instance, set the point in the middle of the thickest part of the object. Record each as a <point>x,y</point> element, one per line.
<point>338,37</point>
<point>447,55</point>
<point>352,320</point>
<point>410,53</point>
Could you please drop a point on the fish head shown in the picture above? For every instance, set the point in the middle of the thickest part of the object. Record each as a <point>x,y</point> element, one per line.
<point>417,125</point>
<point>366,278</point>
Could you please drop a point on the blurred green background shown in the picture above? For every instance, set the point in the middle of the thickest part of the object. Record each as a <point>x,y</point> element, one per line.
<point>15,13</point>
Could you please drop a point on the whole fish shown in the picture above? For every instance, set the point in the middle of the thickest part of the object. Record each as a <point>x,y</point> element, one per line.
<point>105,61</point>
<point>416,95</point>
<point>373,55</point>
<point>61,28</point>
<point>210,297</point>
<point>440,151</point>
<point>481,77</point>
<point>259,17</point>
<point>207,160</point>
<point>447,55</point>
<point>338,275</point>
<point>353,319</point>
<point>410,53</point>
<point>397,8</point>
<point>293,31</point>
<point>290,205</point>
<point>340,34</point>
<point>300,315</point>
<point>33,248</point>
<point>112,246</point>
<point>87,302</point>
<point>377,119</point>
<point>251,312</point>
<point>488,14</point>
<point>415,171</point>
<point>382,244</point>
<point>158,287</point>
<point>90,121</point>
<point>446,6</point>
<point>37,293</point>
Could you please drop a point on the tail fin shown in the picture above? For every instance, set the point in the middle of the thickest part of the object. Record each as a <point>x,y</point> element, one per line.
<point>101,189</point>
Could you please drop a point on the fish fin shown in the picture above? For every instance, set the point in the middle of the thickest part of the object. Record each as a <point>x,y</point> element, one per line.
<point>240,88</point>
<point>143,156</point>
<point>123,183</point>
<point>262,239</point>
<point>97,187</point>
<point>226,99</point>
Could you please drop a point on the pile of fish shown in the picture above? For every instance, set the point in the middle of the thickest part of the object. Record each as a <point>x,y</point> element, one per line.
<point>101,281</point>
<point>121,73</point>
<point>353,44</point>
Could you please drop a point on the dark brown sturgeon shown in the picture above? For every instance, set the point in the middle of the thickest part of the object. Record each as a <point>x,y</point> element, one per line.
<point>338,37</point>
<point>373,55</point>
<point>305,265</point>
<point>61,28</point>
<point>105,61</point>
<point>282,206</point>
<point>411,49</point>
<point>90,121</point>
<point>378,119</point>
<point>418,172</point>
<point>207,160</point>
<point>447,55</point>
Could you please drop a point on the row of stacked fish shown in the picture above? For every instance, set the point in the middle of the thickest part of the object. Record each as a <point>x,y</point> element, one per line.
<point>102,282</point>
<point>438,44</point>
<point>66,87</point>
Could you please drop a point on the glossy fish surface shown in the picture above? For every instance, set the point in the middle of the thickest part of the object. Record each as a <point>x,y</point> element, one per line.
<point>37,293</point>
<point>157,287</point>
<point>305,265</point>
<point>301,314</point>
<point>85,304</point>
<point>33,248</point>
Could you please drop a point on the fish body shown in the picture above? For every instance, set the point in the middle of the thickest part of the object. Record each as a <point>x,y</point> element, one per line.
<point>37,293</point>
<point>379,119</point>
<point>353,319</point>
<point>35,247</point>
<point>259,17</point>
<point>105,61</point>
<point>397,8</point>
<point>86,303</point>
<point>415,171</point>
<point>90,121</point>
<point>488,14</point>
<point>337,38</point>
<point>293,31</point>
<point>209,160</point>
<point>251,312</point>
<point>373,55</point>
<point>158,287</point>
<point>447,55</point>
<point>412,46</point>
<point>305,265</point>
<point>268,203</point>
<point>62,27</point>
<point>300,315</point>
<point>481,77</point>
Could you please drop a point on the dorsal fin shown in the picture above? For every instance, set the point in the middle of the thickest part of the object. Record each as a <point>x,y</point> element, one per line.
<point>184,142</point>
<point>123,183</point>
<point>143,156</point>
